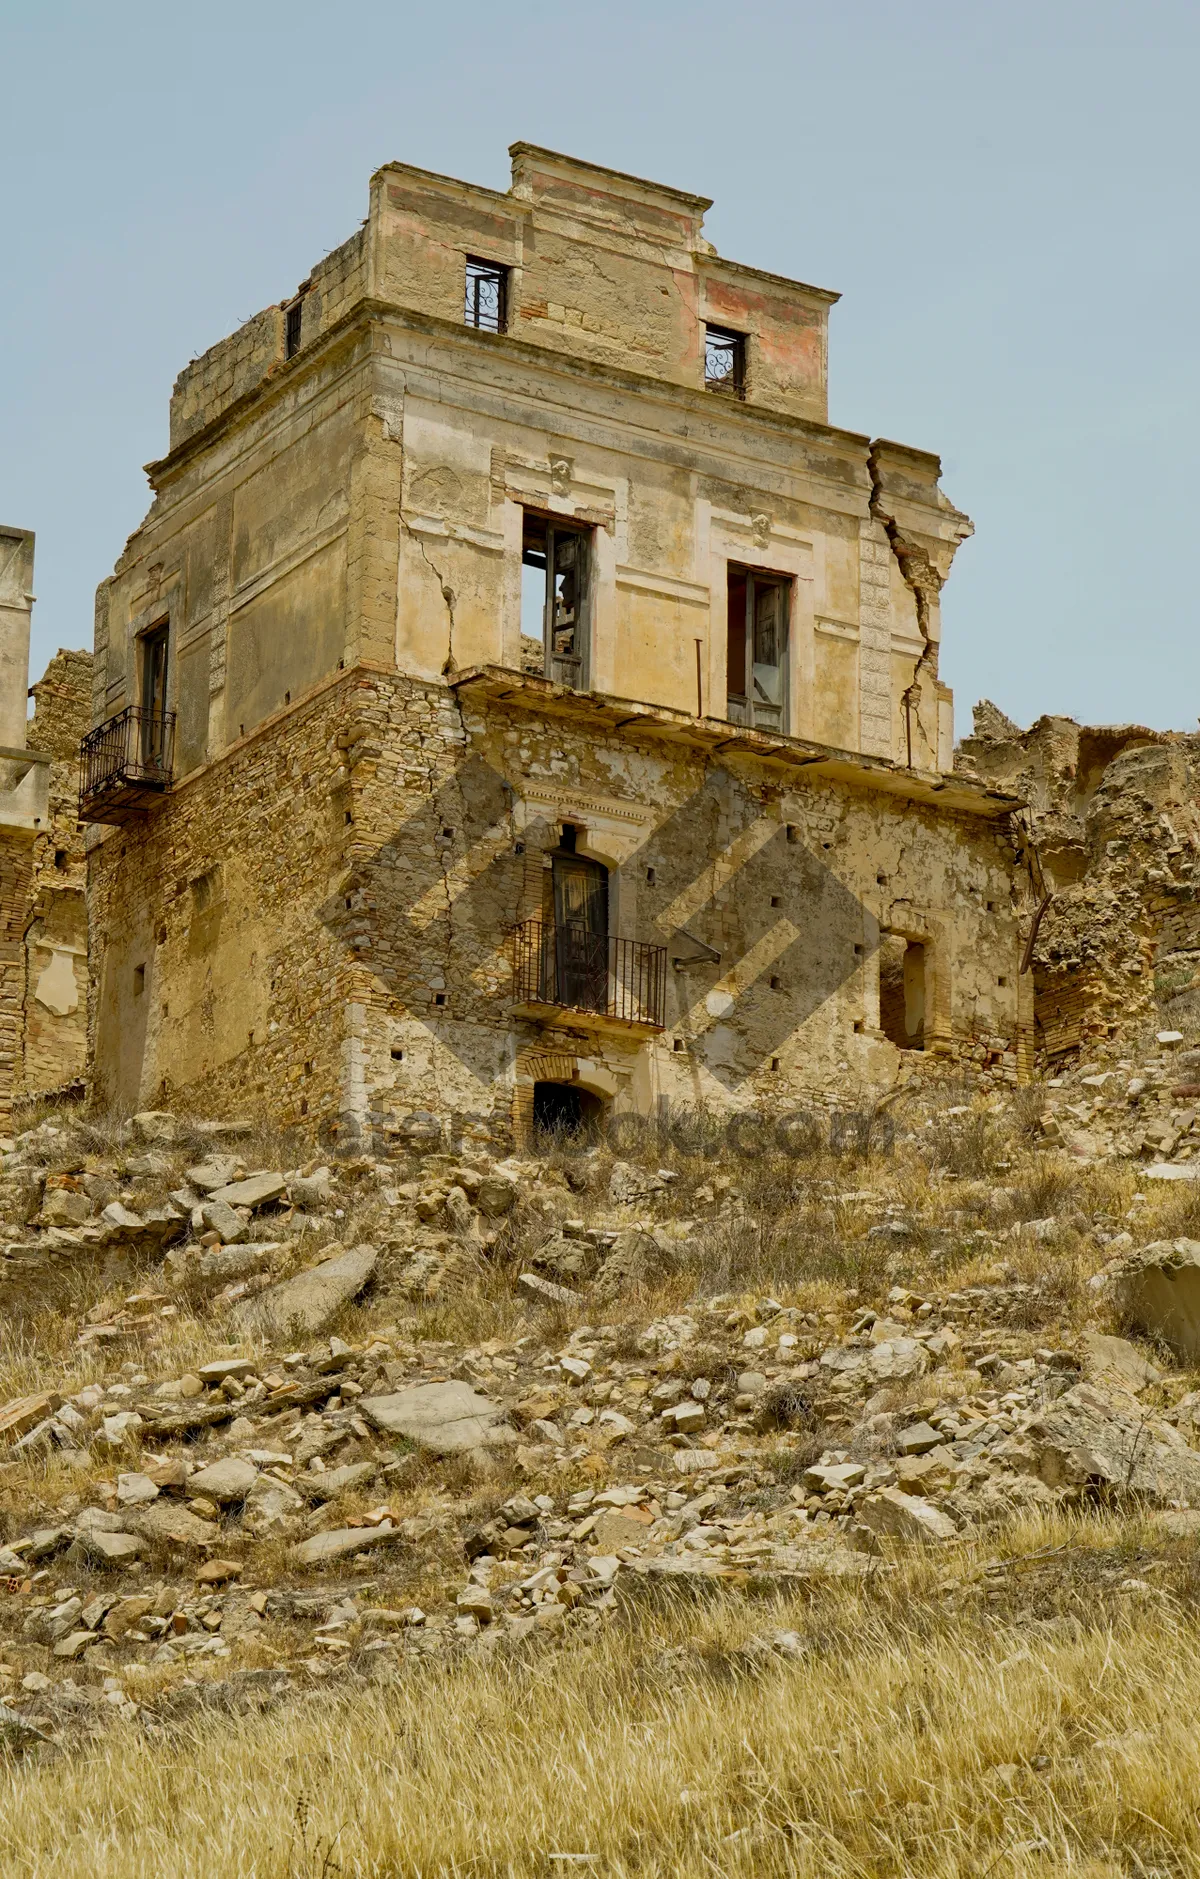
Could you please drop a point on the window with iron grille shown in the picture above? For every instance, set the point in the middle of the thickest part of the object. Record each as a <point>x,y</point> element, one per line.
<point>291,329</point>
<point>487,292</point>
<point>724,361</point>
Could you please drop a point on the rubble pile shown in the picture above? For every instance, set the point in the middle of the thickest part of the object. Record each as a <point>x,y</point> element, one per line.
<point>270,1452</point>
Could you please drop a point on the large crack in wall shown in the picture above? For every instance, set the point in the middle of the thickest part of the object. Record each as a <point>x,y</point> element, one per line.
<point>925,584</point>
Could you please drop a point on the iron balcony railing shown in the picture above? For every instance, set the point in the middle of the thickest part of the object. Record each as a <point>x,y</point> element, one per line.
<point>125,762</point>
<point>580,971</point>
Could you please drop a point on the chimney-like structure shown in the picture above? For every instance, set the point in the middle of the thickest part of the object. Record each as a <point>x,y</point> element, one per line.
<point>16,609</point>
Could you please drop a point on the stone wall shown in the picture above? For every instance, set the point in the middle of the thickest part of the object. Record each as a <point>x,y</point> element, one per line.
<point>56,962</point>
<point>319,925</point>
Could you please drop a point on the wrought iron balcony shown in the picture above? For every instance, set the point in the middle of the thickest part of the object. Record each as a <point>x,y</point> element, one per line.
<point>125,764</point>
<point>566,968</point>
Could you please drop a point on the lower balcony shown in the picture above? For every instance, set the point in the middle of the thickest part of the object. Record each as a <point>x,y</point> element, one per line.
<point>597,979</point>
<point>125,765</point>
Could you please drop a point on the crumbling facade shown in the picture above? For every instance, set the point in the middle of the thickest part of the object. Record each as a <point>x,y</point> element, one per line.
<point>1113,826</point>
<point>520,698</point>
<point>43,920</point>
<point>54,1052</point>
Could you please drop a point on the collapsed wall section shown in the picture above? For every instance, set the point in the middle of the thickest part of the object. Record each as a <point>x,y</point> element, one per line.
<point>1113,826</point>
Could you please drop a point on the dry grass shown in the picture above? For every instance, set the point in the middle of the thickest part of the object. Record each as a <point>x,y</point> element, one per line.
<point>923,1730</point>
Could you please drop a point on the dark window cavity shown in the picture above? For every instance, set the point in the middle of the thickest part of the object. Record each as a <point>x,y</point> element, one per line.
<point>724,361</point>
<point>487,294</point>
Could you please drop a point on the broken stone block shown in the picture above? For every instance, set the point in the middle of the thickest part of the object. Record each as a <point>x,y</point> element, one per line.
<point>270,1503</point>
<point>155,1125</point>
<point>224,1481</point>
<point>335,1481</point>
<point>1158,1289</point>
<point>627,1185</point>
<point>23,1414</point>
<point>324,1549</point>
<point>257,1190</point>
<point>445,1418</point>
<point>496,1196</point>
<point>917,1439</point>
<point>1116,1359</point>
<point>545,1291</point>
<point>109,1549</point>
<point>1099,1436</point>
<point>905,1517</point>
<point>169,1524</point>
<point>74,1644</point>
<point>222,1367</point>
<point>215,1173</point>
<point>898,1360</point>
<point>64,1207</point>
<point>304,1305</point>
<point>219,1217</point>
<point>833,1477</point>
<point>135,1490</point>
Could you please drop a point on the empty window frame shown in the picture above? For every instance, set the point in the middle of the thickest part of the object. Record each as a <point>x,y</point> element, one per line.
<point>487,295</point>
<point>561,555</point>
<point>292,321</point>
<point>757,665</point>
<point>724,361</point>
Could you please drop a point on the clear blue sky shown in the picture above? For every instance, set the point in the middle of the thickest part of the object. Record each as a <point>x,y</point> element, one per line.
<point>1004,193</point>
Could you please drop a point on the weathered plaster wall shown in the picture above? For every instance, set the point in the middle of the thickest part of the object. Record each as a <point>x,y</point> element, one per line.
<point>363,498</point>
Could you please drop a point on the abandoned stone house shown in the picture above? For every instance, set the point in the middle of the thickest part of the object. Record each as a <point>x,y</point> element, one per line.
<point>43,918</point>
<point>520,697</point>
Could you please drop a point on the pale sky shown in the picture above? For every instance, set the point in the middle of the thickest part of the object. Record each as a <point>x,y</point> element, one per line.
<point>1004,194</point>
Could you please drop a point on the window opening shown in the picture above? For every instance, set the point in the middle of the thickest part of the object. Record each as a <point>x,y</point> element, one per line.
<point>756,668</point>
<point>291,329</point>
<point>154,647</point>
<point>561,554</point>
<point>724,362</point>
<point>487,294</point>
<point>902,991</point>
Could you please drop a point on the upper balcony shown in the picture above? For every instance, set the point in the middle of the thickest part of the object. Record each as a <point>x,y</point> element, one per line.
<point>597,979</point>
<point>125,765</point>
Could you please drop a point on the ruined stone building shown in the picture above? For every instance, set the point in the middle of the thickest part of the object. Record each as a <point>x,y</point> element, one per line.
<point>43,919</point>
<point>1113,815</point>
<point>520,697</point>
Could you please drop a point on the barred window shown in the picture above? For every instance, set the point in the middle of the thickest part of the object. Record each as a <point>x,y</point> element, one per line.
<point>487,292</point>
<point>724,361</point>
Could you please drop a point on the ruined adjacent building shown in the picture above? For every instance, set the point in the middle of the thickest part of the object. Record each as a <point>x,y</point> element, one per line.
<point>1113,849</point>
<point>43,920</point>
<point>520,697</point>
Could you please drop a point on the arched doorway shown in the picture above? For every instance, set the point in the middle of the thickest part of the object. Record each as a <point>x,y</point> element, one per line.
<point>564,1111</point>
